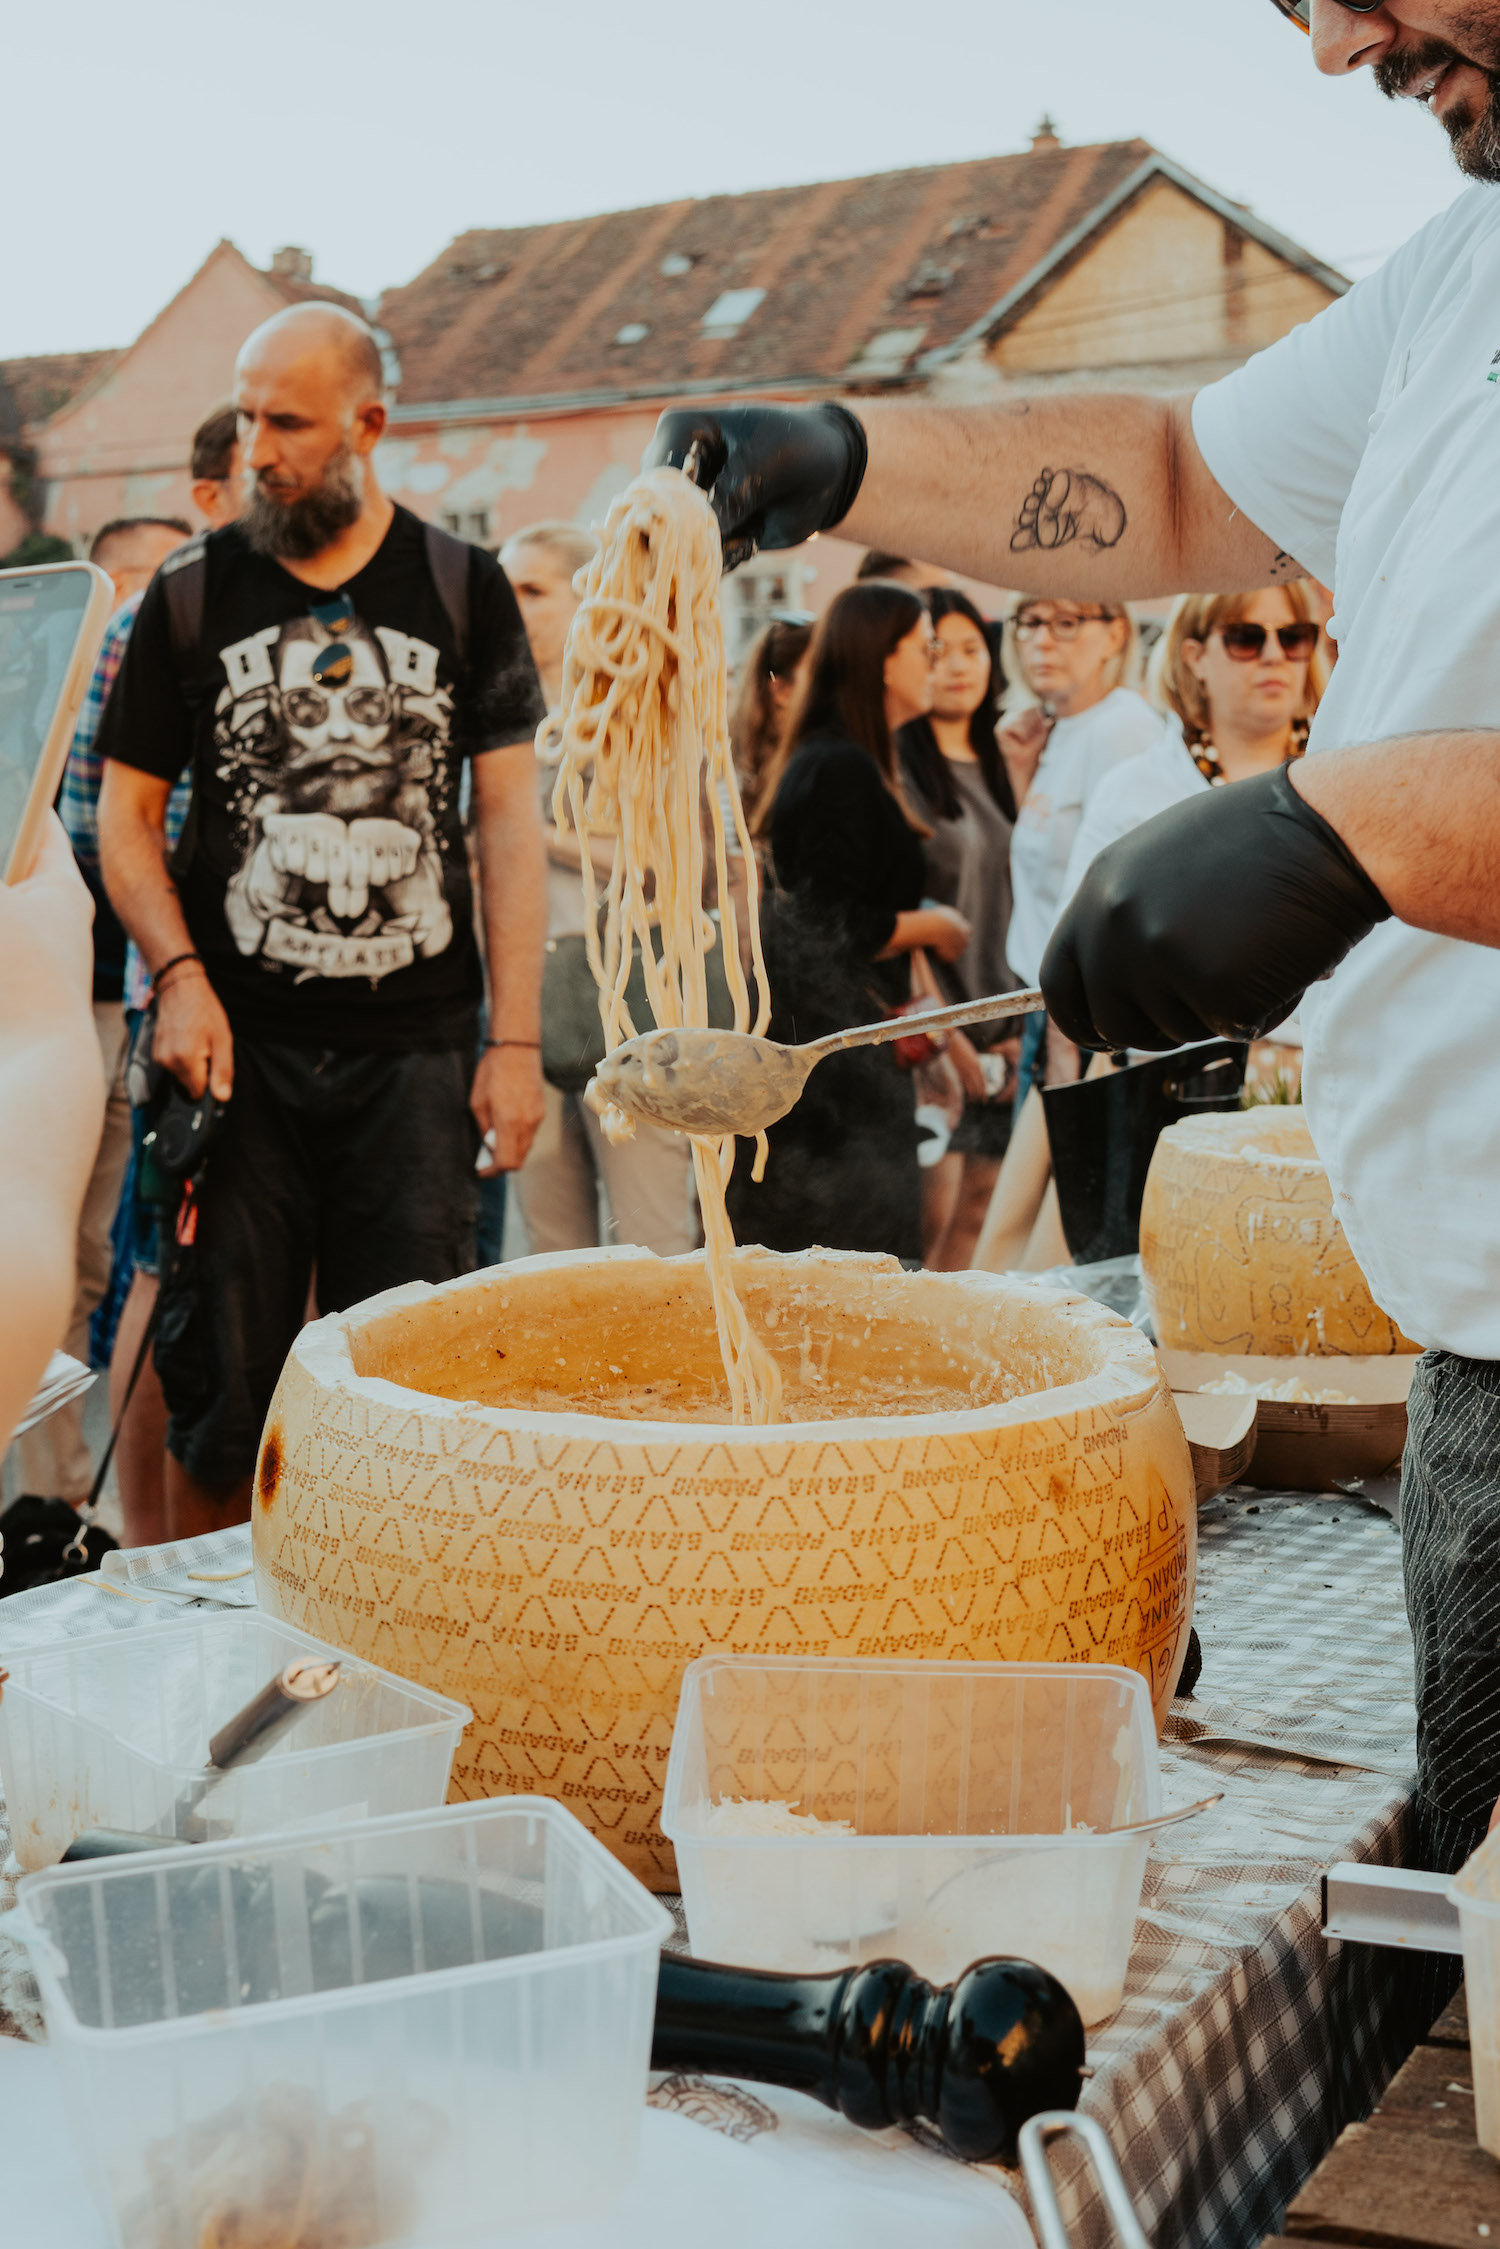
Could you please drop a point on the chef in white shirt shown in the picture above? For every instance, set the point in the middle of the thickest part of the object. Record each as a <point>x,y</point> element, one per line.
<point>1363,449</point>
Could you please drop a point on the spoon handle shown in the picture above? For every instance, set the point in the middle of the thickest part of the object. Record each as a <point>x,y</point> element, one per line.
<point>993,1010</point>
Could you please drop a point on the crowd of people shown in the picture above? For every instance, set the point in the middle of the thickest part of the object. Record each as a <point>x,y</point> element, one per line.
<point>333,915</point>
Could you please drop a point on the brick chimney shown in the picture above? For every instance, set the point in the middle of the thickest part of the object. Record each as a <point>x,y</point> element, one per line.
<point>292,264</point>
<point>1044,133</point>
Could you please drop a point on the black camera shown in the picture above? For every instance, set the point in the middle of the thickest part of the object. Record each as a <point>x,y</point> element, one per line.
<point>178,1141</point>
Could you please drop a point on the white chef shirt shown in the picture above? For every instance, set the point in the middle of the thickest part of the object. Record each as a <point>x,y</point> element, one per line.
<point>1079,752</point>
<point>1367,444</point>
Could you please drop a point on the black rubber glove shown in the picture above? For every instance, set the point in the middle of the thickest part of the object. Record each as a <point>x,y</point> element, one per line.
<point>775,474</point>
<point>1209,921</point>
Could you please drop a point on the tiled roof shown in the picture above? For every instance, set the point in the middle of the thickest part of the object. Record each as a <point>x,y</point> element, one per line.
<point>914,257</point>
<point>33,389</point>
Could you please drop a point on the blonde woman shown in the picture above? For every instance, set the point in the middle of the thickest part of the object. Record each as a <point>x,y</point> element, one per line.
<point>1239,677</point>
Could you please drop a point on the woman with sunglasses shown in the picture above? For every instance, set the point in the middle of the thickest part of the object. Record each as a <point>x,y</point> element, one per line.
<point>1239,676</point>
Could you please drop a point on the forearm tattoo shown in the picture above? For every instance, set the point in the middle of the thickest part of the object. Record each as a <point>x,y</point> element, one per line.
<point>1068,506</point>
<point>1285,566</point>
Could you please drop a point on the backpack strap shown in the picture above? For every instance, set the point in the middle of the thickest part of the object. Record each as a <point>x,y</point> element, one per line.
<point>184,577</point>
<point>448,560</point>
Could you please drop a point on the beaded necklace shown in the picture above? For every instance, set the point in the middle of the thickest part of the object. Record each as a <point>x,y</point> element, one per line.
<point>1206,757</point>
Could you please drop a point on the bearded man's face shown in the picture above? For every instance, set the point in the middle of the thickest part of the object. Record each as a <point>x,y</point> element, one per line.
<point>1458,76</point>
<point>293,519</point>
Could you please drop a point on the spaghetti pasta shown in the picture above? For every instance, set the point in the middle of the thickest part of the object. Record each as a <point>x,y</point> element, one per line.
<point>641,737</point>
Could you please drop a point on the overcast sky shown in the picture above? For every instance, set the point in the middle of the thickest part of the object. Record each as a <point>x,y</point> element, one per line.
<point>135,137</point>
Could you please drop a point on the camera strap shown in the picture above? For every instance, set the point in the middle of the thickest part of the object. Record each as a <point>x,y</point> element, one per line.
<point>185,1233</point>
<point>75,1550</point>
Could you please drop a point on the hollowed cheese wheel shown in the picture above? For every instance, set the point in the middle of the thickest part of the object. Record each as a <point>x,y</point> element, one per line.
<point>1241,1247</point>
<point>558,1569</point>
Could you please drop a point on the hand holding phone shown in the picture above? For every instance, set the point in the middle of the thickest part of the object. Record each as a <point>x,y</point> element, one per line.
<point>46,937</point>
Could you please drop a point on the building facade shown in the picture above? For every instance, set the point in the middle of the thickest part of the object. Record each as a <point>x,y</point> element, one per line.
<point>533,361</point>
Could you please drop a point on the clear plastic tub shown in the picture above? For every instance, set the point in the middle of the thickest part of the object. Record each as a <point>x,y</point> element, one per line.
<point>977,1793</point>
<point>1475,1890</point>
<point>426,2028</point>
<point>114,1732</point>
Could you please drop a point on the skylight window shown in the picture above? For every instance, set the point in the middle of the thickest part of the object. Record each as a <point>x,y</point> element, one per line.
<point>633,332</point>
<point>675,264</point>
<point>727,315</point>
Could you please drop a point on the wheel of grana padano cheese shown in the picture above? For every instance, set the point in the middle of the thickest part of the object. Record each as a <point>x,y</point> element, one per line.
<point>522,1488</point>
<point>1241,1248</point>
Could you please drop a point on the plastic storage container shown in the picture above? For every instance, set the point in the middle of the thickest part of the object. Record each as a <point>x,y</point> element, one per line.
<point>1475,1890</point>
<point>978,1794</point>
<point>114,1732</point>
<point>420,2028</point>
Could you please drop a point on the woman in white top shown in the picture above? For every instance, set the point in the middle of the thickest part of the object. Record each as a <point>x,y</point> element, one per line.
<point>647,1183</point>
<point>1240,677</point>
<point>1074,659</point>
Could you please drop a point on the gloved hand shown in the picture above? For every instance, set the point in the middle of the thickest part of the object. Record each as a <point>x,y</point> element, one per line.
<point>775,474</point>
<point>1209,921</point>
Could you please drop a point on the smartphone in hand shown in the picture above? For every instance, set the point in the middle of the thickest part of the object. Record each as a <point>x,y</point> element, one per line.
<point>52,619</point>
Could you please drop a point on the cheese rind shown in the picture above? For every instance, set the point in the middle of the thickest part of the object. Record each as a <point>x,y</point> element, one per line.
<point>1241,1247</point>
<point>558,1570</point>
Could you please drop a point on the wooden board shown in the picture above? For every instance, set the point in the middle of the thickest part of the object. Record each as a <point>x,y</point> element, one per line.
<point>1221,1438</point>
<point>1307,1447</point>
<point>1412,2176</point>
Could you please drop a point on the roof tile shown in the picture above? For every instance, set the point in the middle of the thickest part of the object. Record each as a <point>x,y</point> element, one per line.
<point>527,311</point>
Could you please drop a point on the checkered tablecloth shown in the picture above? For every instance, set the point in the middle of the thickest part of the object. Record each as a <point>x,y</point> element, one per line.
<point>1245,2043</point>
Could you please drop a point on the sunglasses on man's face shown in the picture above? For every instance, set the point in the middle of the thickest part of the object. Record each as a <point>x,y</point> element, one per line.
<point>1299,12</point>
<point>1246,643</point>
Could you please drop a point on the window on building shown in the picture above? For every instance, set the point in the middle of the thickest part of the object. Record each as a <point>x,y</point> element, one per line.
<point>468,523</point>
<point>763,589</point>
<point>727,315</point>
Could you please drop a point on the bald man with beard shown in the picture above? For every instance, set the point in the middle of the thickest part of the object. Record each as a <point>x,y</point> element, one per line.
<point>312,940</point>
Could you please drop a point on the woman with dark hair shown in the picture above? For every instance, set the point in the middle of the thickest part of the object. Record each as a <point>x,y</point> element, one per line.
<point>841,926</point>
<point>769,682</point>
<point>958,781</point>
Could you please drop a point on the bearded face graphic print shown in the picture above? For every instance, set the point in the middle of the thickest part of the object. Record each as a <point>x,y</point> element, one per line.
<point>339,795</point>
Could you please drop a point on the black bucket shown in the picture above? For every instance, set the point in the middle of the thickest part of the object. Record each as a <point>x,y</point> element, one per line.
<point>1103,1133</point>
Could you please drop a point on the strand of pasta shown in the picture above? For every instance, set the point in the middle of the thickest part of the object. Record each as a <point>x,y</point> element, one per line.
<point>642,736</point>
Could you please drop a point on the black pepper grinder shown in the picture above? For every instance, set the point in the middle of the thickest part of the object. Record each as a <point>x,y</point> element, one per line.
<point>880,2046</point>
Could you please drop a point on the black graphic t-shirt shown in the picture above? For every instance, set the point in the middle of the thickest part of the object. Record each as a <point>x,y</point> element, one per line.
<point>327,882</point>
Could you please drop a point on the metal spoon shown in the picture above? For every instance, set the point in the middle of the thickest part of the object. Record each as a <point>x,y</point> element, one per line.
<point>714,1082</point>
<point>979,1872</point>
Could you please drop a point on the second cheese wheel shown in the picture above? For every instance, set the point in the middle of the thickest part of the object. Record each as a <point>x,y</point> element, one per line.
<point>1241,1248</point>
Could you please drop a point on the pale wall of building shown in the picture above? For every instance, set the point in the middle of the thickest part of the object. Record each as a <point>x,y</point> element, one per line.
<point>123,449</point>
<point>1169,282</point>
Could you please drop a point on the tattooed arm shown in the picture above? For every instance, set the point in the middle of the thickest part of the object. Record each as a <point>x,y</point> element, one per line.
<point>1104,495</point>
